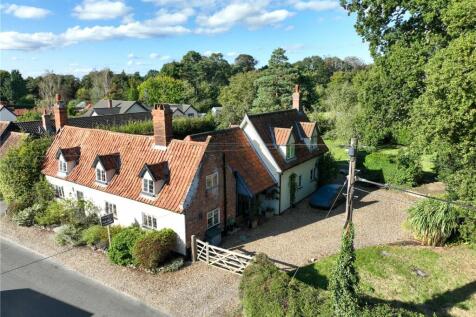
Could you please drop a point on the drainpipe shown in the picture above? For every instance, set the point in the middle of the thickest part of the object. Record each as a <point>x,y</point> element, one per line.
<point>224,192</point>
<point>280,184</point>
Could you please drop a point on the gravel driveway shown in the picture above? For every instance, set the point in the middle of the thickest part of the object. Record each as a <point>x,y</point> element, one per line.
<point>303,233</point>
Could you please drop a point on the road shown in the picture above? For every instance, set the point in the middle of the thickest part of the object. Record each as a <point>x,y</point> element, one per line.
<point>31,286</point>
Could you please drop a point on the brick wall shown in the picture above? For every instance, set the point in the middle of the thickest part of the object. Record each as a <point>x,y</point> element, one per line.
<point>206,200</point>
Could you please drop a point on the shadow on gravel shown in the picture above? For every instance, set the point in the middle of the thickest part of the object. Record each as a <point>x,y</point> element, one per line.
<point>27,302</point>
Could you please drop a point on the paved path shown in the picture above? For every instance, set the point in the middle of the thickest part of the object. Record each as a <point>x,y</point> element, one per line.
<point>303,233</point>
<point>44,288</point>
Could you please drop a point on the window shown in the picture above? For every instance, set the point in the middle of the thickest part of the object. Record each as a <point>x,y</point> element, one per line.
<point>63,168</point>
<point>149,221</point>
<point>59,191</point>
<point>100,175</point>
<point>314,141</point>
<point>213,218</point>
<point>111,209</point>
<point>79,195</point>
<point>148,186</point>
<point>312,174</point>
<point>300,181</point>
<point>212,180</point>
<point>190,115</point>
<point>290,148</point>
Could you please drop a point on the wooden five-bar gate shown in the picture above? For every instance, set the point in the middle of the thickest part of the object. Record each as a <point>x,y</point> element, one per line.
<point>222,258</point>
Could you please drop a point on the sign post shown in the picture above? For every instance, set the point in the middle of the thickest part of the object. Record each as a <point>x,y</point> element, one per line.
<point>106,221</point>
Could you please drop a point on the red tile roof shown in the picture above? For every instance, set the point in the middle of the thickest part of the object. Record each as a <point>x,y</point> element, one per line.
<point>11,141</point>
<point>183,159</point>
<point>69,154</point>
<point>239,155</point>
<point>308,128</point>
<point>281,135</point>
<point>265,124</point>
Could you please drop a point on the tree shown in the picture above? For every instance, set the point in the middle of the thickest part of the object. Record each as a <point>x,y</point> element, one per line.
<point>12,86</point>
<point>275,85</point>
<point>20,170</point>
<point>449,101</point>
<point>101,84</point>
<point>164,89</point>
<point>244,63</point>
<point>49,86</point>
<point>344,279</point>
<point>237,98</point>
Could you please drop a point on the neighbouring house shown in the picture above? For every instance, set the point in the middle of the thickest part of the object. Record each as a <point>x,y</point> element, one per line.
<point>216,111</point>
<point>197,186</point>
<point>8,138</point>
<point>182,110</point>
<point>110,107</point>
<point>6,114</point>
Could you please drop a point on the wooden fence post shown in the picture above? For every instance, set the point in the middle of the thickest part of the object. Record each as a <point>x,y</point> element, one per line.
<point>208,252</point>
<point>194,248</point>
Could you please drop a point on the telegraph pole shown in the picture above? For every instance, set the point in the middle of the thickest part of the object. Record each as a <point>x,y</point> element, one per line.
<point>350,182</point>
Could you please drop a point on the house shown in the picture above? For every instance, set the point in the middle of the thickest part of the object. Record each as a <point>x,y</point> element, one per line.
<point>183,110</point>
<point>6,114</point>
<point>111,107</point>
<point>197,186</point>
<point>289,146</point>
<point>8,138</point>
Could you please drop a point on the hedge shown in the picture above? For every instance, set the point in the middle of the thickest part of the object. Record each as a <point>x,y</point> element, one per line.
<point>153,248</point>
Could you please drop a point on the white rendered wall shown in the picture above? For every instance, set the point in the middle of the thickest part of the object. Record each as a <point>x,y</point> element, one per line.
<point>308,185</point>
<point>128,211</point>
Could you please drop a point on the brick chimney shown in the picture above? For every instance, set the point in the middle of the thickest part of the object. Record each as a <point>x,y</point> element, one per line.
<point>46,122</point>
<point>109,103</point>
<point>162,122</point>
<point>61,116</point>
<point>296,98</point>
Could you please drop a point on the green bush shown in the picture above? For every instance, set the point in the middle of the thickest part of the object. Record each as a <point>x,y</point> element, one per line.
<point>120,251</point>
<point>467,226</point>
<point>69,235</point>
<point>96,235</point>
<point>153,248</point>
<point>266,291</point>
<point>26,216</point>
<point>69,211</point>
<point>433,222</point>
<point>327,168</point>
<point>54,214</point>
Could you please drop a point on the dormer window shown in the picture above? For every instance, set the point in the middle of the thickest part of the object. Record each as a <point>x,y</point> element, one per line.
<point>309,134</point>
<point>284,139</point>
<point>154,177</point>
<point>290,150</point>
<point>106,166</point>
<point>67,160</point>
<point>314,140</point>
<point>101,175</point>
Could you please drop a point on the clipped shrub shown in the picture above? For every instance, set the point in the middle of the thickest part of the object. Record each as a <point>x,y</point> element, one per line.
<point>26,216</point>
<point>69,235</point>
<point>382,310</point>
<point>432,222</point>
<point>96,235</point>
<point>120,251</point>
<point>267,291</point>
<point>69,211</point>
<point>153,248</point>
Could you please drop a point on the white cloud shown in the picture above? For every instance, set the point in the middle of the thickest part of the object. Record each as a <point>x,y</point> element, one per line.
<point>232,54</point>
<point>25,12</point>
<point>251,13</point>
<point>164,17</point>
<point>165,58</point>
<point>321,5</point>
<point>153,55</point>
<point>209,52</point>
<point>131,56</point>
<point>101,10</point>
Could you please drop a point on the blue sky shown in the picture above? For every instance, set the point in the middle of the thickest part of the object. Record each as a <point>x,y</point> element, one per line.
<point>76,36</point>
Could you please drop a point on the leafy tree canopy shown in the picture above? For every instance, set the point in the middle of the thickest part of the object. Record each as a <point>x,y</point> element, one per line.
<point>164,89</point>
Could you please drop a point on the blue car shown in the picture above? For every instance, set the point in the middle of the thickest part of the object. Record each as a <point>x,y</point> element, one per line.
<point>325,196</point>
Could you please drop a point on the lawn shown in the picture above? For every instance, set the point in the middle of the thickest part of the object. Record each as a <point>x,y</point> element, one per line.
<point>388,274</point>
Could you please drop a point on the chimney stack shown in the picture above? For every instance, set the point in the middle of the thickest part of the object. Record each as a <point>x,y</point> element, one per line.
<point>162,122</point>
<point>61,116</point>
<point>46,121</point>
<point>296,98</point>
<point>109,103</point>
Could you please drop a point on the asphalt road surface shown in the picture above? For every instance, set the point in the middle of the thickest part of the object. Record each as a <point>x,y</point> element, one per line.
<point>31,286</point>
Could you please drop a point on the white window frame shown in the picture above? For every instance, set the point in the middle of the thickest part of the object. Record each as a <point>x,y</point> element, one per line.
<point>63,166</point>
<point>149,221</point>
<point>214,216</point>
<point>148,187</point>
<point>312,174</point>
<point>313,141</point>
<point>212,180</point>
<point>290,151</point>
<point>59,191</point>
<point>101,175</point>
<point>299,181</point>
<point>110,208</point>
